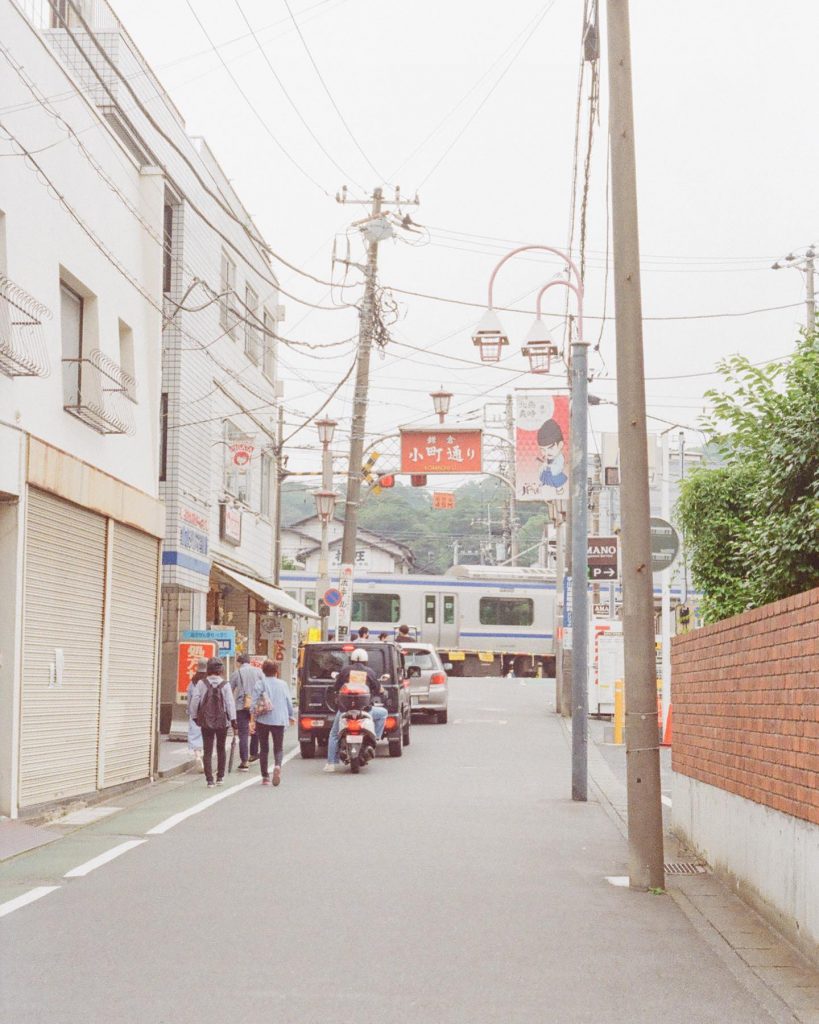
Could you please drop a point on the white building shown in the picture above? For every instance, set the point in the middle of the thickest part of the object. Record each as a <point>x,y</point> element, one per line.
<point>301,543</point>
<point>80,366</point>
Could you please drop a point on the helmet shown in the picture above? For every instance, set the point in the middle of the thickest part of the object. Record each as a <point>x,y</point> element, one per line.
<point>359,654</point>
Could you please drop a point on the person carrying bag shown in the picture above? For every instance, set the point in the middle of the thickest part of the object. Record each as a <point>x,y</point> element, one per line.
<point>272,710</point>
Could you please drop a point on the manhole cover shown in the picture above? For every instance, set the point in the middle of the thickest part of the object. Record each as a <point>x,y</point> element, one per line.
<point>685,868</point>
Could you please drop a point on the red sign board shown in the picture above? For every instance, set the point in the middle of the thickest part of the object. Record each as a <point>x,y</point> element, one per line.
<point>190,651</point>
<point>443,499</point>
<point>441,450</point>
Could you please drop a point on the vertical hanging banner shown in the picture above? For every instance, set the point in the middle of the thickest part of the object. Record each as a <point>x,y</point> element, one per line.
<point>542,447</point>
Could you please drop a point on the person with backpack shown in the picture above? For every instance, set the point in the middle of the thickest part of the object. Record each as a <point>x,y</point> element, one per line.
<point>272,710</point>
<point>194,732</point>
<point>213,709</point>
<point>242,682</point>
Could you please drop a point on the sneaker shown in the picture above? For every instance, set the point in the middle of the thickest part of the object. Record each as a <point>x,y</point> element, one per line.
<point>266,781</point>
<point>243,767</point>
<point>329,767</point>
<point>220,782</point>
<point>277,775</point>
<point>254,757</point>
<point>211,785</point>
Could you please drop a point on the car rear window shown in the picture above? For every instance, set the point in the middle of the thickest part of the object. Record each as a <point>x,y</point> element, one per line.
<point>425,660</point>
<point>322,662</point>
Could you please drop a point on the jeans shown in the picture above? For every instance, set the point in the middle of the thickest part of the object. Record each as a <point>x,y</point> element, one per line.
<point>379,715</point>
<point>264,732</point>
<point>243,721</point>
<point>208,736</point>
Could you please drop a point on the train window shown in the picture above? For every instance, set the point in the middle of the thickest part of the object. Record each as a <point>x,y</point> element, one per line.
<point>369,608</point>
<point>310,599</point>
<point>429,608</point>
<point>507,611</point>
<point>449,609</point>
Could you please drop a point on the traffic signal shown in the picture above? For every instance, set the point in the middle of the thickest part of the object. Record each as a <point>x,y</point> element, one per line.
<point>387,480</point>
<point>418,479</point>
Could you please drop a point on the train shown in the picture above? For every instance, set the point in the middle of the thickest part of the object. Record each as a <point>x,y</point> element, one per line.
<point>483,619</point>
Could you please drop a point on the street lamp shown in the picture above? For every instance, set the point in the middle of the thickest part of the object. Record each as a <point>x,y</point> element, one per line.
<point>326,429</point>
<point>490,337</point>
<point>440,402</point>
<point>325,505</point>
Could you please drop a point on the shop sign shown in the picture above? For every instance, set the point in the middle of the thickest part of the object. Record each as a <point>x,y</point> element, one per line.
<point>188,655</point>
<point>542,447</point>
<point>345,586</point>
<point>441,451</point>
<point>225,639</point>
<point>272,628</point>
<point>230,524</point>
<point>443,499</point>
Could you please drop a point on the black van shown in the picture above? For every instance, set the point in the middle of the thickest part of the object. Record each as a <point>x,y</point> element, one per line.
<point>320,663</point>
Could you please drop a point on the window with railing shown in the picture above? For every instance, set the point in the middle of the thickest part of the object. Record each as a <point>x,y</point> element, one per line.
<point>23,350</point>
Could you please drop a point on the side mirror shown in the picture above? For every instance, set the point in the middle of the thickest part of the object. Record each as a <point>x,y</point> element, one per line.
<point>413,672</point>
<point>447,666</point>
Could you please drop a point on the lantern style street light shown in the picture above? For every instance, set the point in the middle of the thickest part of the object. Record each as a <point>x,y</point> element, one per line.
<point>326,429</point>
<point>440,402</point>
<point>490,337</point>
<point>325,504</point>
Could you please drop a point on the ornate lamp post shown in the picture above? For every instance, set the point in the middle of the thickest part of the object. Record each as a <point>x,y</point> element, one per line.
<point>490,338</point>
<point>325,506</point>
<point>440,402</point>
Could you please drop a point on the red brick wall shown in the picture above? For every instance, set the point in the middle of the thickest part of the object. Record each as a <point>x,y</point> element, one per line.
<point>745,694</point>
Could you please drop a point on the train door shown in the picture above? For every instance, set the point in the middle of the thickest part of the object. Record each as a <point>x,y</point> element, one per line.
<point>430,630</point>
<point>448,628</point>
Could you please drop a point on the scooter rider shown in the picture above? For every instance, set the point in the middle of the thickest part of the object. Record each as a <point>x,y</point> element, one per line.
<point>358,662</point>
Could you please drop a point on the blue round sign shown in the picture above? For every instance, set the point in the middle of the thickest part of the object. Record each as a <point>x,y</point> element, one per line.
<point>332,597</point>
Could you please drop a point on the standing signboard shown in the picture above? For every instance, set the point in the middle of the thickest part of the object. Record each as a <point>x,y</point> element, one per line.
<point>345,605</point>
<point>542,447</point>
<point>434,450</point>
<point>189,654</point>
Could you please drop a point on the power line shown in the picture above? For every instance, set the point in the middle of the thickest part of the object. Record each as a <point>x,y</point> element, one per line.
<point>329,94</point>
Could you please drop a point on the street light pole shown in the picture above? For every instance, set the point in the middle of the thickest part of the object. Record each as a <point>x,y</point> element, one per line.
<point>326,429</point>
<point>645,822</point>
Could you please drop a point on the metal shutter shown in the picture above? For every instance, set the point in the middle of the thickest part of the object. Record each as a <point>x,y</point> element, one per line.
<point>64,585</point>
<point>129,697</point>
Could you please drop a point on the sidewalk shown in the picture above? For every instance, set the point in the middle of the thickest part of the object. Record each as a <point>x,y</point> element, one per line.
<point>777,974</point>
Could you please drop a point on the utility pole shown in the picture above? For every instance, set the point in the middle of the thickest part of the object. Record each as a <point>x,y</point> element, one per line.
<point>645,822</point>
<point>375,229</point>
<point>578,478</point>
<point>806,262</point>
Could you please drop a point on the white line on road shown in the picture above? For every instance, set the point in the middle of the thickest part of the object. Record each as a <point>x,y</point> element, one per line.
<point>104,858</point>
<point>28,897</point>
<point>175,819</point>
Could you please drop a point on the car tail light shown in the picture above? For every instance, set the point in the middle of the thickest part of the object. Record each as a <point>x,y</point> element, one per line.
<point>348,647</point>
<point>312,723</point>
<point>390,724</point>
<point>437,679</point>
<point>354,725</point>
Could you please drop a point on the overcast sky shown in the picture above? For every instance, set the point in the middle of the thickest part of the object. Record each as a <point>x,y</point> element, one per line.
<point>474,106</point>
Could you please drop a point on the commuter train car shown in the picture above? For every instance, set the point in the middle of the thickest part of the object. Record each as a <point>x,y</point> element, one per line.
<point>485,620</point>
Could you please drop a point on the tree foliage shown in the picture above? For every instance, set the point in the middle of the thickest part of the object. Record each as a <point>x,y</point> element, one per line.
<point>752,525</point>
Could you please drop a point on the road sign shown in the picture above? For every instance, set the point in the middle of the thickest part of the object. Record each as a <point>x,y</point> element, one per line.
<point>225,639</point>
<point>665,543</point>
<point>332,597</point>
<point>345,605</point>
<point>601,556</point>
<point>189,654</point>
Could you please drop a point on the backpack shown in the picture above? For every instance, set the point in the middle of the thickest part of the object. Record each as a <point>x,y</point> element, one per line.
<point>212,713</point>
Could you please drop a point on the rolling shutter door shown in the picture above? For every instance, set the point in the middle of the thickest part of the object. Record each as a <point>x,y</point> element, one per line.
<point>64,585</point>
<point>127,716</point>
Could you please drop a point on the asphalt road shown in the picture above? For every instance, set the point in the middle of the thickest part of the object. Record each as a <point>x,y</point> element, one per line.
<point>457,885</point>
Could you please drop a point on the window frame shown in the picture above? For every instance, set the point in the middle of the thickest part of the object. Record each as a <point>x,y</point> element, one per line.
<point>360,602</point>
<point>501,602</point>
<point>74,399</point>
<point>269,347</point>
<point>252,340</point>
<point>227,288</point>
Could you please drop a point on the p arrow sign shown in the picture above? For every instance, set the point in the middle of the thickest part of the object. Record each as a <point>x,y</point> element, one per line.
<point>601,556</point>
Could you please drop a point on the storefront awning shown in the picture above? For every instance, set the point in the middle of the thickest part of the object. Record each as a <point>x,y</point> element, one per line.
<point>274,597</point>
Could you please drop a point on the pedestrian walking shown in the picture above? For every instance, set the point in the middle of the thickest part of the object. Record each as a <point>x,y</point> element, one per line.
<point>213,709</point>
<point>242,683</point>
<point>195,743</point>
<point>272,711</point>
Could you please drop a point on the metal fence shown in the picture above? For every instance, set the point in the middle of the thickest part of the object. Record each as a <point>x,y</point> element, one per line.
<point>23,347</point>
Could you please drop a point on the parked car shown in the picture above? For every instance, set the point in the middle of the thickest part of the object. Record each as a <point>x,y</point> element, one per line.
<point>320,663</point>
<point>429,683</point>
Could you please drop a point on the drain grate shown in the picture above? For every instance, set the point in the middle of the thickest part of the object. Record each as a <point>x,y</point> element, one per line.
<point>685,868</point>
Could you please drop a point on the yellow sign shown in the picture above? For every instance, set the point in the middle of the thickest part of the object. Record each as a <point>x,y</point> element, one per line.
<point>486,656</point>
<point>456,656</point>
<point>314,635</point>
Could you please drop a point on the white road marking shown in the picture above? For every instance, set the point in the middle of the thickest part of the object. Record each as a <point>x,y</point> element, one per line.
<point>666,800</point>
<point>86,816</point>
<point>619,880</point>
<point>28,897</point>
<point>104,858</point>
<point>203,805</point>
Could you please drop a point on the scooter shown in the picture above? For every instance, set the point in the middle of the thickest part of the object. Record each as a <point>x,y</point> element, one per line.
<point>356,734</point>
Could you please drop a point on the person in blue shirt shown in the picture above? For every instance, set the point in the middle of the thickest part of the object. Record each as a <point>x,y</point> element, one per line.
<point>273,721</point>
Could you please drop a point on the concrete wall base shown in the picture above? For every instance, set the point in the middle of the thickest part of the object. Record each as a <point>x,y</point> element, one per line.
<point>769,859</point>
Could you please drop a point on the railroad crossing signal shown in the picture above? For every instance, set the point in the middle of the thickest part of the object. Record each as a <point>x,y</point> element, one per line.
<point>601,556</point>
<point>367,472</point>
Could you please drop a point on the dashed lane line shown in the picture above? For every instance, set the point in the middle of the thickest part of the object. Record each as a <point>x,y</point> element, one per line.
<point>103,858</point>
<point>28,897</point>
<point>176,819</point>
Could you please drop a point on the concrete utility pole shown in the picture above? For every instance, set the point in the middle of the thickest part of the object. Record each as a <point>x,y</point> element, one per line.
<point>645,822</point>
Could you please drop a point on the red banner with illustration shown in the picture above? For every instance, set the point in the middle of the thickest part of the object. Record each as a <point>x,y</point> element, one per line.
<point>542,447</point>
<point>442,450</point>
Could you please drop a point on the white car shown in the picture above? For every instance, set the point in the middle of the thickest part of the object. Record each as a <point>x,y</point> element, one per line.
<point>429,689</point>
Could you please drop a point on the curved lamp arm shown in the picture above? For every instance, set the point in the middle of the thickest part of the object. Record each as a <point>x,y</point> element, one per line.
<point>528,248</point>
<point>578,291</point>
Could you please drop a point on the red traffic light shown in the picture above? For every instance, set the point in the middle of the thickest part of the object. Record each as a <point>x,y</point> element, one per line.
<point>388,480</point>
<point>418,479</point>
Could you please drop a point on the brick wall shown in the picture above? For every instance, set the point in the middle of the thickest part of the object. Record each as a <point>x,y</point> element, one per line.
<point>745,693</point>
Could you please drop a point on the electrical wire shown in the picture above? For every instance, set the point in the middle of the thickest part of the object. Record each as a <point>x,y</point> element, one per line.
<point>329,94</point>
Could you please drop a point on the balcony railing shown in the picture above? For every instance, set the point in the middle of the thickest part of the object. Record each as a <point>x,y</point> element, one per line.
<point>100,393</point>
<point>23,349</point>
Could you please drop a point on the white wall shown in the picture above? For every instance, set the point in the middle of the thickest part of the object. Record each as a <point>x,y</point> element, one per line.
<point>771,858</point>
<point>41,236</point>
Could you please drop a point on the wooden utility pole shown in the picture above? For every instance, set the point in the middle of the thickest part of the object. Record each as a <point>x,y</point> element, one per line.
<point>645,822</point>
